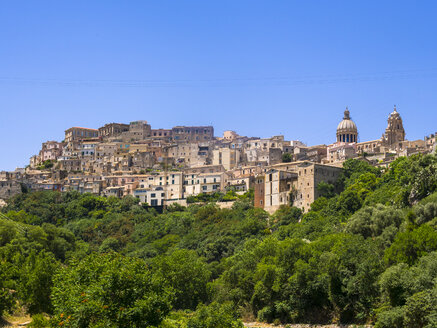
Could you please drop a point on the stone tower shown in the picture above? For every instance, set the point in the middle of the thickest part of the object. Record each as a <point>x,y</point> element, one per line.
<point>395,130</point>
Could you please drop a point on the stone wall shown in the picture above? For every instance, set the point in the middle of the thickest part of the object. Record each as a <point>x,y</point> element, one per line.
<point>9,189</point>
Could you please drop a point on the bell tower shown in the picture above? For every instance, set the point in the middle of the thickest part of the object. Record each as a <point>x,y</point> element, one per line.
<point>395,130</point>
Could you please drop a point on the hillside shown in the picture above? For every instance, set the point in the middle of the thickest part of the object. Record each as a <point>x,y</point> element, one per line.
<point>366,253</point>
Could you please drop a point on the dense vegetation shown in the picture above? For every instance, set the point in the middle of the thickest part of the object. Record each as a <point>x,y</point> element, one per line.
<point>365,253</point>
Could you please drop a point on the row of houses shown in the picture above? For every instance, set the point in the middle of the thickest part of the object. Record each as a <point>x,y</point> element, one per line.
<point>162,166</point>
<point>281,184</point>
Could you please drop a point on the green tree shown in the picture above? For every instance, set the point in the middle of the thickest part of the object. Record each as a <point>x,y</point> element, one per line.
<point>6,298</point>
<point>418,309</point>
<point>187,274</point>
<point>411,245</point>
<point>215,316</point>
<point>326,189</point>
<point>34,286</point>
<point>287,158</point>
<point>109,291</point>
<point>371,221</point>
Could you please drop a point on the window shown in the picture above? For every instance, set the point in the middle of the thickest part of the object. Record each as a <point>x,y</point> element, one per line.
<point>204,188</point>
<point>152,195</point>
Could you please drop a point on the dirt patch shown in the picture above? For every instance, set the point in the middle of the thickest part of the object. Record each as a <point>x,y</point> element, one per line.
<point>15,321</point>
<point>266,325</point>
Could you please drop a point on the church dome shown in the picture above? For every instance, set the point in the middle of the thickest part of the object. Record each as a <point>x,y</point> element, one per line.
<point>347,125</point>
<point>347,130</point>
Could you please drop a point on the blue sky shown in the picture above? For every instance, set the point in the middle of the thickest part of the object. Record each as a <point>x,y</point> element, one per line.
<point>261,68</point>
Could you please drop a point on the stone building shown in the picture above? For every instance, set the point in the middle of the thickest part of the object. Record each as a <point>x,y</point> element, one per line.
<point>104,151</point>
<point>70,164</point>
<point>113,129</point>
<point>155,196</point>
<point>259,191</point>
<point>162,134</point>
<point>269,157</point>
<point>9,188</point>
<point>77,133</point>
<point>265,151</point>
<point>138,130</point>
<point>277,188</point>
<point>430,141</point>
<point>316,153</point>
<point>240,184</point>
<point>230,135</point>
<point>205,183</point>
<point>191,154</point>
<point>84,183</point>
<point>170,182</point>
<point>192,133</point>
<point>50,150</point>
<point>246,171</point>
<point>309,176</point>
<point>339,152</point>
<point>204,169</point>
<point>229,158</point>
<point>87,149</point>
<point>292,183</point>
<point>369,147</point>
<point>407,147</point>
<point>34,161</point>
<point>143,160</point>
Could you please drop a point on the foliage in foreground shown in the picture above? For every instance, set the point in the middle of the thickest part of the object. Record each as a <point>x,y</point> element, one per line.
<point>365,253</point>
<point>109,291</point>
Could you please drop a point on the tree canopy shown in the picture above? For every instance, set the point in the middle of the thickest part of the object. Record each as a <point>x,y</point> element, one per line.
<point>366,252</point>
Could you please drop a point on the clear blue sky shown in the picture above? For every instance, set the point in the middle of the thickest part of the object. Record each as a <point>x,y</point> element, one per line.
<point>261,68</point>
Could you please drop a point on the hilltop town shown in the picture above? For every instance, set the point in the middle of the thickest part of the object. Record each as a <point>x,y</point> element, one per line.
<point>165,166</point>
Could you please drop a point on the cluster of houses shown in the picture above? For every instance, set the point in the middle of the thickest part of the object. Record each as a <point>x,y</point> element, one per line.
<point>165,166</point>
